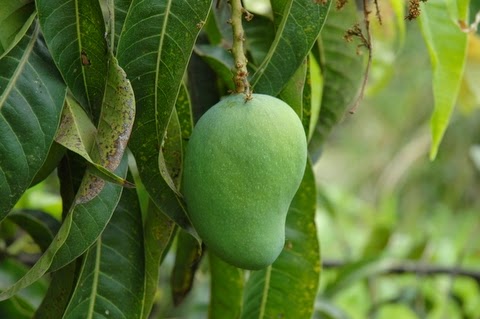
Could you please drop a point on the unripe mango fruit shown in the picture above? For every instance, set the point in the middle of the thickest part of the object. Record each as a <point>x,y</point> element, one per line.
<point>243,165</point>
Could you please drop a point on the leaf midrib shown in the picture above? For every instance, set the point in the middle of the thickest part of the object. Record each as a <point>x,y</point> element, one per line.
<point>263,303</point>
<point>79,37</point>
<point>159,60</point>
<point>278,37</point>
<point>21,66</point>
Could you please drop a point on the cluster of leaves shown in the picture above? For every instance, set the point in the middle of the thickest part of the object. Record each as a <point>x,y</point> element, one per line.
<point>105,94</point>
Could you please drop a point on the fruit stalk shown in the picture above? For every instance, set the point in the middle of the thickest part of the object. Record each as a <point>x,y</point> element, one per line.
<point>241,72</point>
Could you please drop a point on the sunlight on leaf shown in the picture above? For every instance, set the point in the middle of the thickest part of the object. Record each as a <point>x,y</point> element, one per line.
<point>447,45</point>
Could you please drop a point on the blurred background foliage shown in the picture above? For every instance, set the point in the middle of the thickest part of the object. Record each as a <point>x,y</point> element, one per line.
<point>383,204</point>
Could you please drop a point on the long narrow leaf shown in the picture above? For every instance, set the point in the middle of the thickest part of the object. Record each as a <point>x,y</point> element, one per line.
<point>75,35</point>
<point>342,73</point>
<point>226,289</point>
<point>111,280</point>
<point>15,20</point>
<point>31,99</point>
<point>154,49</point>
<point>298,26</point>
<point>447,45</point>
<point>159,233</point>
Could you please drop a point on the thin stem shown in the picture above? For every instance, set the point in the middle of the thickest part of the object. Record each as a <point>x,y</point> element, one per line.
<point>241,73</point>
<point>414,268</point>
<point>367,42</point>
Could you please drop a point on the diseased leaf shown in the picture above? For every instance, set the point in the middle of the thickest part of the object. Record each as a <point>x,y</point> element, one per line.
<point>16,18</point>
<point>77,133</point>
<point>112,275</point>
<point>342,73</point>
<point>226,289</point>
<point>75,35</point>
<point>448,61</point>
<point>296,272</point>
<point>154,49</point>
<point>31,99</point>
<point>298,25</point>
<point>189,253</point>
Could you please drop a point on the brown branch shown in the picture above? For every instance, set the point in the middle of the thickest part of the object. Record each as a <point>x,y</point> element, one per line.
<point>414,268</point>
<point>367,42</point>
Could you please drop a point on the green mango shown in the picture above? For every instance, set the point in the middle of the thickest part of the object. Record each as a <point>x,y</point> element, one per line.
<point>243,165</point>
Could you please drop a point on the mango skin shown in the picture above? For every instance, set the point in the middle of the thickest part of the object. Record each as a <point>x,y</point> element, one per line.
<point>243,165</point>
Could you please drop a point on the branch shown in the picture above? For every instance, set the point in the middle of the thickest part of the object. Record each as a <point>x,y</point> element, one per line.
<point>415,268</point>
<point>367,42</point>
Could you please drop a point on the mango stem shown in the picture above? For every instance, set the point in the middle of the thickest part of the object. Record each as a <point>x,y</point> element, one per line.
<point>240,77</point>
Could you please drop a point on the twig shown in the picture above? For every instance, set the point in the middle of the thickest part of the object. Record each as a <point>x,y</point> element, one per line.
<point>414,268</point>
<point>241,73</point>
<point>367,42</point>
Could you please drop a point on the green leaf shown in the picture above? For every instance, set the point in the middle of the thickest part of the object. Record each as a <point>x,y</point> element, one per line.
<point>17,308</point>
<point>12,270</point>
<point>377,240</point>
<point>41,226</point>
<point>58,293</point>
<point>298,25</point>
<point>292,93</point>
<point>75,35</point>
<point>219,60</point>
<point>159,233</point>
<point>112,275</point>
<point>120,13</point>
<point>260,33</point>
<point>296,272</point>
<point>16,18</point>
<point>77,133</point>
<point>31,100</point>
<point>189,253</point>
<point>219,17</point>
<point>171,153</point>
<point>91,213</point>
<point>354,272</point>
<point>447,45</point>
<point>83,224</point>
<point>226,289</point>
<point>154,49</point>
<point>342,73</point>
<point>42,265</point>
<point>307,100</point>
<point>183,105</point>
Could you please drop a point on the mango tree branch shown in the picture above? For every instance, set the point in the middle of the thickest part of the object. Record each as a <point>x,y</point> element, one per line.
<point>240,68</point>
<point>415,268</point>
